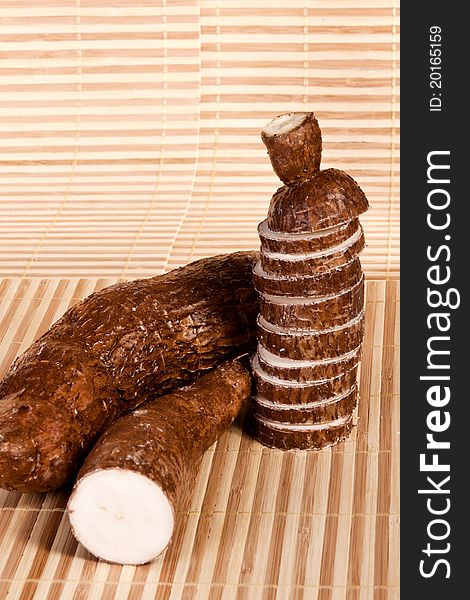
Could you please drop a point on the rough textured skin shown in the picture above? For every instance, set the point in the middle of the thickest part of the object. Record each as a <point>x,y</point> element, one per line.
<point>166,439</point>
<point>331,312</point>
<point>312,265</point>
<point>300,440</point>
<point>312,345</point>
<point>322,413</point>
<point>295,156</point>
<point>322,370</point>
<point>292,244</point>
<point>310,286</point>
<point>330,198</point>
<point>280,391</point>
<point>112,352</point>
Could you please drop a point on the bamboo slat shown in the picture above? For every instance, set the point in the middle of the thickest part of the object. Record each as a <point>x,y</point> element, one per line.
<point>262,524</point>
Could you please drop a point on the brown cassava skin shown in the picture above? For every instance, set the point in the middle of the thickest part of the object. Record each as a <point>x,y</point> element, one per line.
<point>314,243</point>
<point>309,286</point>
<point>312,265</point>
<point>306,374</point>
<point>322,413</point>
<point>312,345</point>
<point>305,330</point>
<point>315,391</point>
<point>300,440</point>
<point>331,312</point>
<point>110,353</point>
<point>330,198</point>
<point>296,155</point>
<point>166,439</point>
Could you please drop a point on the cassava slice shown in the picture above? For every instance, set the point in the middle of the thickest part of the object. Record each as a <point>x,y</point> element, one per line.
<point>274,389</point>
<point>329,199</point>
<point>293,141</point>
<point>291,243</point>
<point>311,345</point>
<point>112,352</point>
<point>308,313</point>
<point>311,286</point>
<point>124,502</point>
<point>314,412</point>
<point>314,262</point>
<point>306,370</point>
<point>301,436</point>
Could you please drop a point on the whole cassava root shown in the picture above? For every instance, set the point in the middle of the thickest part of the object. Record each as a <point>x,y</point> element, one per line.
<point>132,483</point>
<point>110,353</point>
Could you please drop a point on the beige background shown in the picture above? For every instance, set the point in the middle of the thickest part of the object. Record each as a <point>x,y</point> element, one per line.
<point>129,145</point>
<point>130,130</point>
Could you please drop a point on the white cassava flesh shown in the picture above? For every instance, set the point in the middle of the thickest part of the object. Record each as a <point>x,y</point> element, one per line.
<point>121,516</point>
<point>284,123</point>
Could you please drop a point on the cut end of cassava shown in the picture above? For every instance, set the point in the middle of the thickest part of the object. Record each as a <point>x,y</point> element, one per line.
<point>284,123</point>
<point>121,516</point>
<point>294,146</point>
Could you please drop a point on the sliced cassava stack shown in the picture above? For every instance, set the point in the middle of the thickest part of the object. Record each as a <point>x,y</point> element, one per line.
<point>110,353</point>
<point>124,503</point>
<point>311,287</point>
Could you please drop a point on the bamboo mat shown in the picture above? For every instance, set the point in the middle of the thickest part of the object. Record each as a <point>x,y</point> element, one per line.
<point>129,145</point>
<point>262,524</point>
<point>130,131</point>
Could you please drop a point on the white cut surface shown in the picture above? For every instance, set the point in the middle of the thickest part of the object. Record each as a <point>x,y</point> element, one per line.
<point>306,332</point>
<point>284,123</point>
<point>290,300</point>
<point>282,236</point>
<point>283,363</point>
<point>121,516</point>
<point>305,256</point>
<point>304,426</point>
<point>304,406</point>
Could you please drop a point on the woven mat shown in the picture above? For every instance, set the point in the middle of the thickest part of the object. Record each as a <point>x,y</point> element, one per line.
<point>262,524</point>
<point>130,131</point>
<point>129,145</point>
